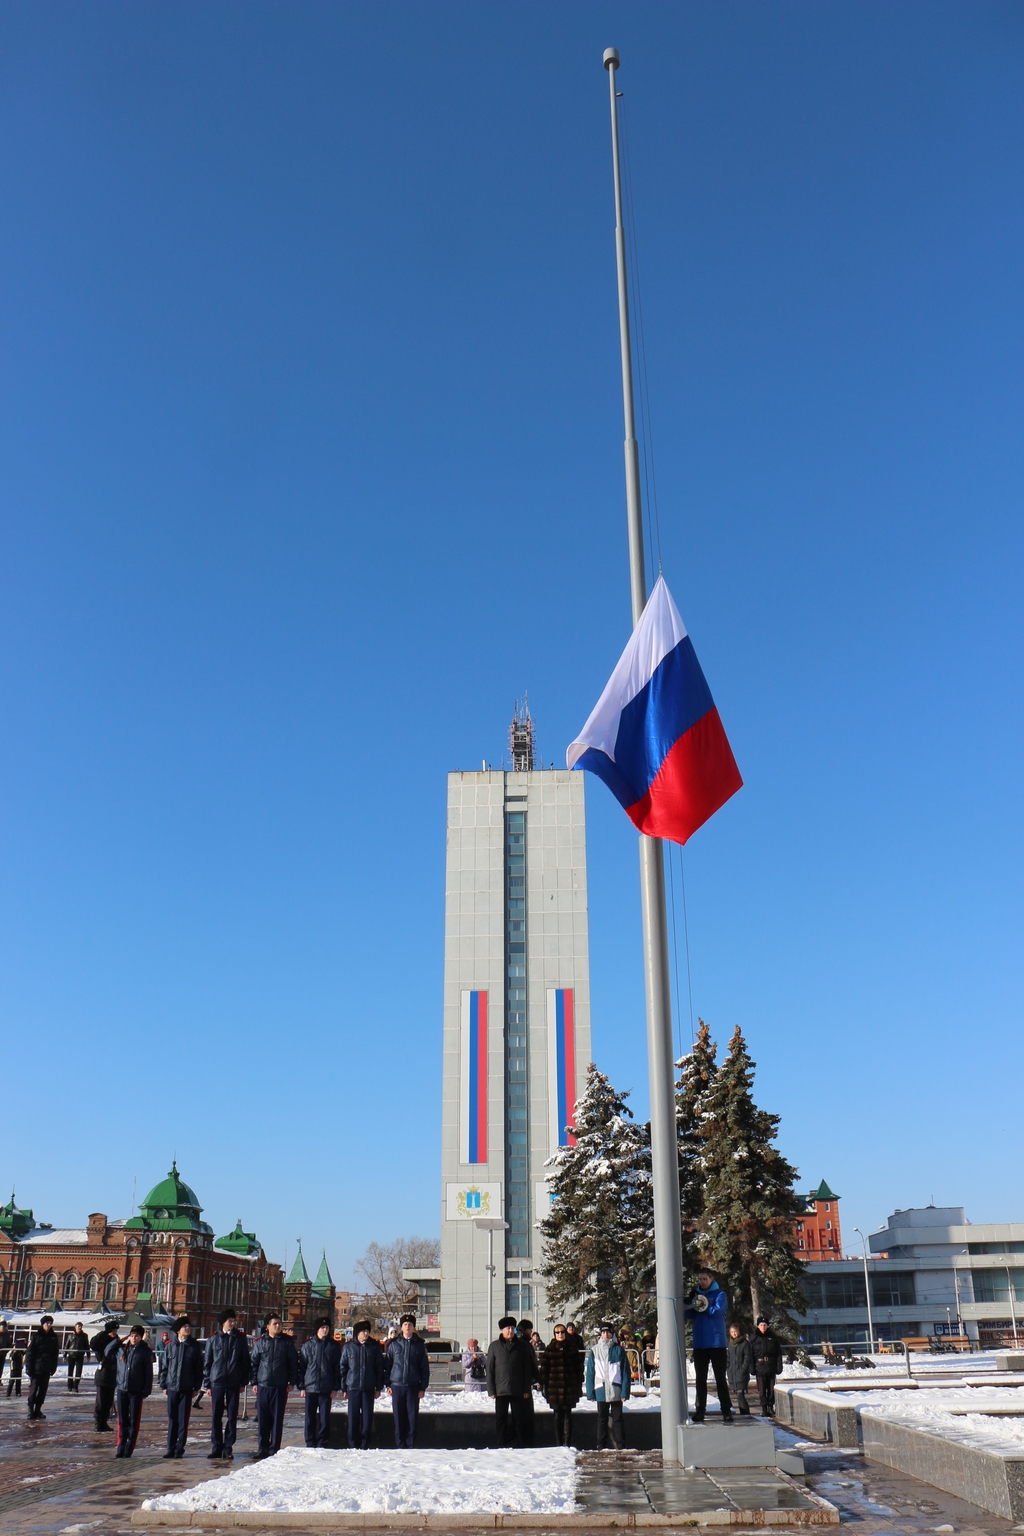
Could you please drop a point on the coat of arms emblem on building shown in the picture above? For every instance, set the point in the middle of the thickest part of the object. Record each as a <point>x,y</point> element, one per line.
<point>474,1202</point>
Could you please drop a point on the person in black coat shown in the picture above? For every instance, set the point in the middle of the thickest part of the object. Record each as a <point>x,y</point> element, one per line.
<point>767,1352</point>
<point>181,1374</point>
<point>106,1375</point>
<point>739,1367</point>
<point>135,1362</point>
<point>225,1375</point>
<point>511,1373</point>
<point>6,1342</point>
<point>362,1377</point>
<point>407,1376</point>
<point>14,1379</point>
<point>274,1368</point>
<point>320,1364</point>
<point>75,1353</point>
<point>41,1361</point>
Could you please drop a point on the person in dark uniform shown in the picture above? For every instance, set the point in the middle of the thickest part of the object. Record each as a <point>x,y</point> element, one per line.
<point>41,1361</point>
<point>275,1368</point>
<point>362,1378</point>
<point>407,1376</point>
<point>14,1379</point>
<point>181,1374</point>
<point>767,1351</point>
<point>135,1362</point>
<point>320,1366</point>
<point>106,1374</point>
<point>74,1354</point>
<point>226,1373</point>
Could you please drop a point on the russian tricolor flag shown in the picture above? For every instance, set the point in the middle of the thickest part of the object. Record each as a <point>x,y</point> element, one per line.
<point>655,737</point>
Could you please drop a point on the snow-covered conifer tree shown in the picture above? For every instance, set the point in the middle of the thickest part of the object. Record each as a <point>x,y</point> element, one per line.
<point>746,1229</point>
<point>697,1073</point>
<point>599,1235</point>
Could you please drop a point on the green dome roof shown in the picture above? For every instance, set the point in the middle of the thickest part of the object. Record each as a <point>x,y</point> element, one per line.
<point>171,1204</point>
<point>244,1243</point>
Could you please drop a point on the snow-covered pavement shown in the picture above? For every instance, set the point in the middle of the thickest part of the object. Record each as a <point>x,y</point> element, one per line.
<point>393,1482</point>
<point>983,1417</point>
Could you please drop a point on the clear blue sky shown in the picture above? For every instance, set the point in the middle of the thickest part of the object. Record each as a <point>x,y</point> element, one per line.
<point>311,462</point>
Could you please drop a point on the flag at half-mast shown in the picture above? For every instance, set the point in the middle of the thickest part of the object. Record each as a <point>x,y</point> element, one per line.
<point>654,736</point>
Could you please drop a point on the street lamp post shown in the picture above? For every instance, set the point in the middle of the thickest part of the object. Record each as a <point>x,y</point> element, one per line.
<point>867,1290</point>
<point>1013,1309</point>
<point>956,1286</point>
<point>490,1225</point>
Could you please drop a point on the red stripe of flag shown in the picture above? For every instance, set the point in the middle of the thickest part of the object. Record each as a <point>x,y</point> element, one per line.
<point>570,1061</point>
<point>481,1077</point>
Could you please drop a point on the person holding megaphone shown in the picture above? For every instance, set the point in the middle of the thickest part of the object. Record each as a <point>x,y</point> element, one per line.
<point>706,1310</point>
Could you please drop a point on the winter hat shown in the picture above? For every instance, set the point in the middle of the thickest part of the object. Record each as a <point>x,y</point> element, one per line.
<point>182,1322</point>
<point>607,1327</point>
<point>228,1312</point>
<point>408,1317</point>
<point>362,1326</point>
<point>762,1320</point>
<point>506,1322</point>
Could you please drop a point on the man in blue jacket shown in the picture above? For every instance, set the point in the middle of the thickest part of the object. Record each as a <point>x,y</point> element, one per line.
<point>407,1374</point>
<point>362,1377</point>
<point>225,1374</point>
<point>134,1384</point>
<point>707,1312</point>
<point>320,1365</point>
<point>181,1375</point>
<point>275,1368</point>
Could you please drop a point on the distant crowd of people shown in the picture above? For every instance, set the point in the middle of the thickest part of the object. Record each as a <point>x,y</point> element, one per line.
<point>517,1361</point>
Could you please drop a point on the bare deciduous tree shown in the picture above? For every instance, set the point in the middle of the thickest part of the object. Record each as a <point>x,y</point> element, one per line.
<point>382,1264</point>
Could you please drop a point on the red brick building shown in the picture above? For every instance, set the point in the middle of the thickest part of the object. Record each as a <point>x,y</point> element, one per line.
<point>816,1234</point>
<point>165,1259</point>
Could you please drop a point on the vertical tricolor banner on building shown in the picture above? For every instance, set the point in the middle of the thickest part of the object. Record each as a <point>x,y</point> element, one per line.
<point>562,1065</point>
<point>473,1139</point>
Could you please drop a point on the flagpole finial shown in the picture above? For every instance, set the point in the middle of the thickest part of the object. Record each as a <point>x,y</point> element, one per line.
<point>611,58</point>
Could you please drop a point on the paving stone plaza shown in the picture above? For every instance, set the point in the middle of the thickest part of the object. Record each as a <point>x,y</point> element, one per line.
<point>58,1478</point>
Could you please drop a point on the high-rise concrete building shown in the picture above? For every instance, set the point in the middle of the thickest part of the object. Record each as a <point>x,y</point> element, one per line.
<point>516,1026</point>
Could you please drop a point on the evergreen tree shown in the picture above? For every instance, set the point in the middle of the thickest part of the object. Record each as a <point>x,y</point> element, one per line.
<point>599,1235</point>
<point>697,1073</point>
<point>746,1230</point>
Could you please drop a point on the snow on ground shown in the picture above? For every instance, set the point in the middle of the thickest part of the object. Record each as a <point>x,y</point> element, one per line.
<point>392,1482</point>
<point>930,1411</point>
<point>479,1402</point>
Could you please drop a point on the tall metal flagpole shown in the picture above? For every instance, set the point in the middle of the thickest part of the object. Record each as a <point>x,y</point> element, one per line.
<point>668,1236</point>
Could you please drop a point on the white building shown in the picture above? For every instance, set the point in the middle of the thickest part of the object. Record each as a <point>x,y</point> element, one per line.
<point>516,1025</point>
<point>933,1273</point>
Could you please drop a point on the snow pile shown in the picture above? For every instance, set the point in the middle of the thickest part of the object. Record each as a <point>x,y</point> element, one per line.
<point>392,1482</point>
<point>478,1402</point>
<point>930,1410</point>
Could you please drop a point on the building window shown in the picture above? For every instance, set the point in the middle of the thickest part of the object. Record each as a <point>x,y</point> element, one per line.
<point>90,1288</point>
<point>828,1207</point>
<point>28,1287</point>
<point>517,1063</point>
<point>828,1224</point>
<point>70,1287</point>
<point>147,1283</point>
<point>990,1285</point>
<point>801,1244</point>
<point>50,1288</point>
<point>518,1300</point>
<point>110,1289</point>
<point>800,1226</point>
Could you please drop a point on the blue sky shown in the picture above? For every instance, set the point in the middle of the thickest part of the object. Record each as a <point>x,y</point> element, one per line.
<point>311,463</point>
